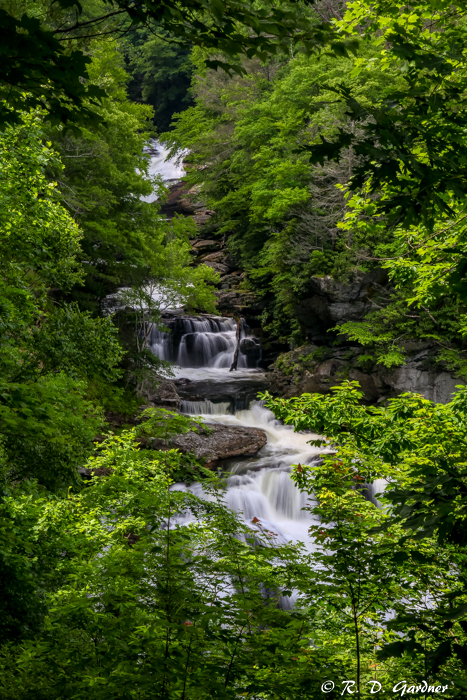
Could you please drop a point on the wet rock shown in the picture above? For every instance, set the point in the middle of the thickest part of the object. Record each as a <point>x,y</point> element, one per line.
<point>238,393</point>
<point>217,443</point>
<point>249,346</point>
<point>163,394</point>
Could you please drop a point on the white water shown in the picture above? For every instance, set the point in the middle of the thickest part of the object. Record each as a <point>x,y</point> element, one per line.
<point>202,350</point>
<point>169,169</point>
<point>205,342</point>
<point>258,487</point>
<point>261,487</point>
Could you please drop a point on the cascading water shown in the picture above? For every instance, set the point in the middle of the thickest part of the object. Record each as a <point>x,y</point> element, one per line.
<point>207,342</point>
<point>259,487</point>
<point>169,169</point>
<point>202,350</point>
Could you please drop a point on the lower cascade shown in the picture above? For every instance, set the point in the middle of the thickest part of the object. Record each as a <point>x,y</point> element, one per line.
<point>258,487</point>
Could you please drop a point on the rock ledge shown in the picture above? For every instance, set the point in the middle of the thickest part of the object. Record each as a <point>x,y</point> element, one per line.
<point>217,443</point>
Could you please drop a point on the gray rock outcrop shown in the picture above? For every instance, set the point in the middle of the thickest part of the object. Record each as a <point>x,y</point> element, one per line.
<point>163,394</point>
<point>313,369</point>
<point>332,303</point>
<point>217,443</point>
<point>438,387</point>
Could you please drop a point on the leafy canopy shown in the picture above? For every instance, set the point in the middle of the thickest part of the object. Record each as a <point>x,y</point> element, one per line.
<point>44,61</point>
<point>412,138</point>
<point>419,449</point>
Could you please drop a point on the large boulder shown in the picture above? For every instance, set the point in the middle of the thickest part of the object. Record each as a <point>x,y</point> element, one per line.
<point>216,443</point>
<point>164,393</point>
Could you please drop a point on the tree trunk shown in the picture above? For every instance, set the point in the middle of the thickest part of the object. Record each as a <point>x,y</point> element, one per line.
<point>357,640</point>
<point>237,348</point>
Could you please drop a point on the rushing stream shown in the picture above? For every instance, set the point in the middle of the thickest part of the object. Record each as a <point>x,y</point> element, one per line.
<point>169,169</point>
<point>258,487</point>
<point>202,350</point>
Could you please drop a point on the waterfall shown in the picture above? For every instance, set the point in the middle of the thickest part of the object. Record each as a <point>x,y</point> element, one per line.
<point>169,169</point>
<point>259,488</point>
<point>201,349</point>
<point>268,501</point>
<point>207,408</point>
<point>207,342</point>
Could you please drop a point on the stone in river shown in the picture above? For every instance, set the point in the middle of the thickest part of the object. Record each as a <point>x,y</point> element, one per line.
<point>249,345</point>
<point>217,443</point>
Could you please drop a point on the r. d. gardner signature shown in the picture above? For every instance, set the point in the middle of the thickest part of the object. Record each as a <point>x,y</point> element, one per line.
<point>401,688</point>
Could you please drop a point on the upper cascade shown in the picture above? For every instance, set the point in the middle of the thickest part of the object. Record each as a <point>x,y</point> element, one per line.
<point>205,341</point>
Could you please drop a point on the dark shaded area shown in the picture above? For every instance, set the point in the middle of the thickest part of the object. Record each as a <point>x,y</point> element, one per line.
<point>161,77</point>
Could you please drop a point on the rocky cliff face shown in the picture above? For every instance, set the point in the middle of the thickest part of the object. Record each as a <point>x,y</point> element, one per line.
<point>233,298</point>
<point>321,365</point>
<point>313,368</point>
<point>332,302</point>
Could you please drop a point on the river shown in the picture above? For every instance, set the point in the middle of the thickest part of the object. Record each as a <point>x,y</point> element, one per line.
<point>202,349</point>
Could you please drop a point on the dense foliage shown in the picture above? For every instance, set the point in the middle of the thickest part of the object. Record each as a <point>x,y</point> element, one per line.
<point>45,45</point>
<point>118,584</point>
<point>161,76</point>
<point>419,448</point>
<point>280,213</point>
<point>330,167</point>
